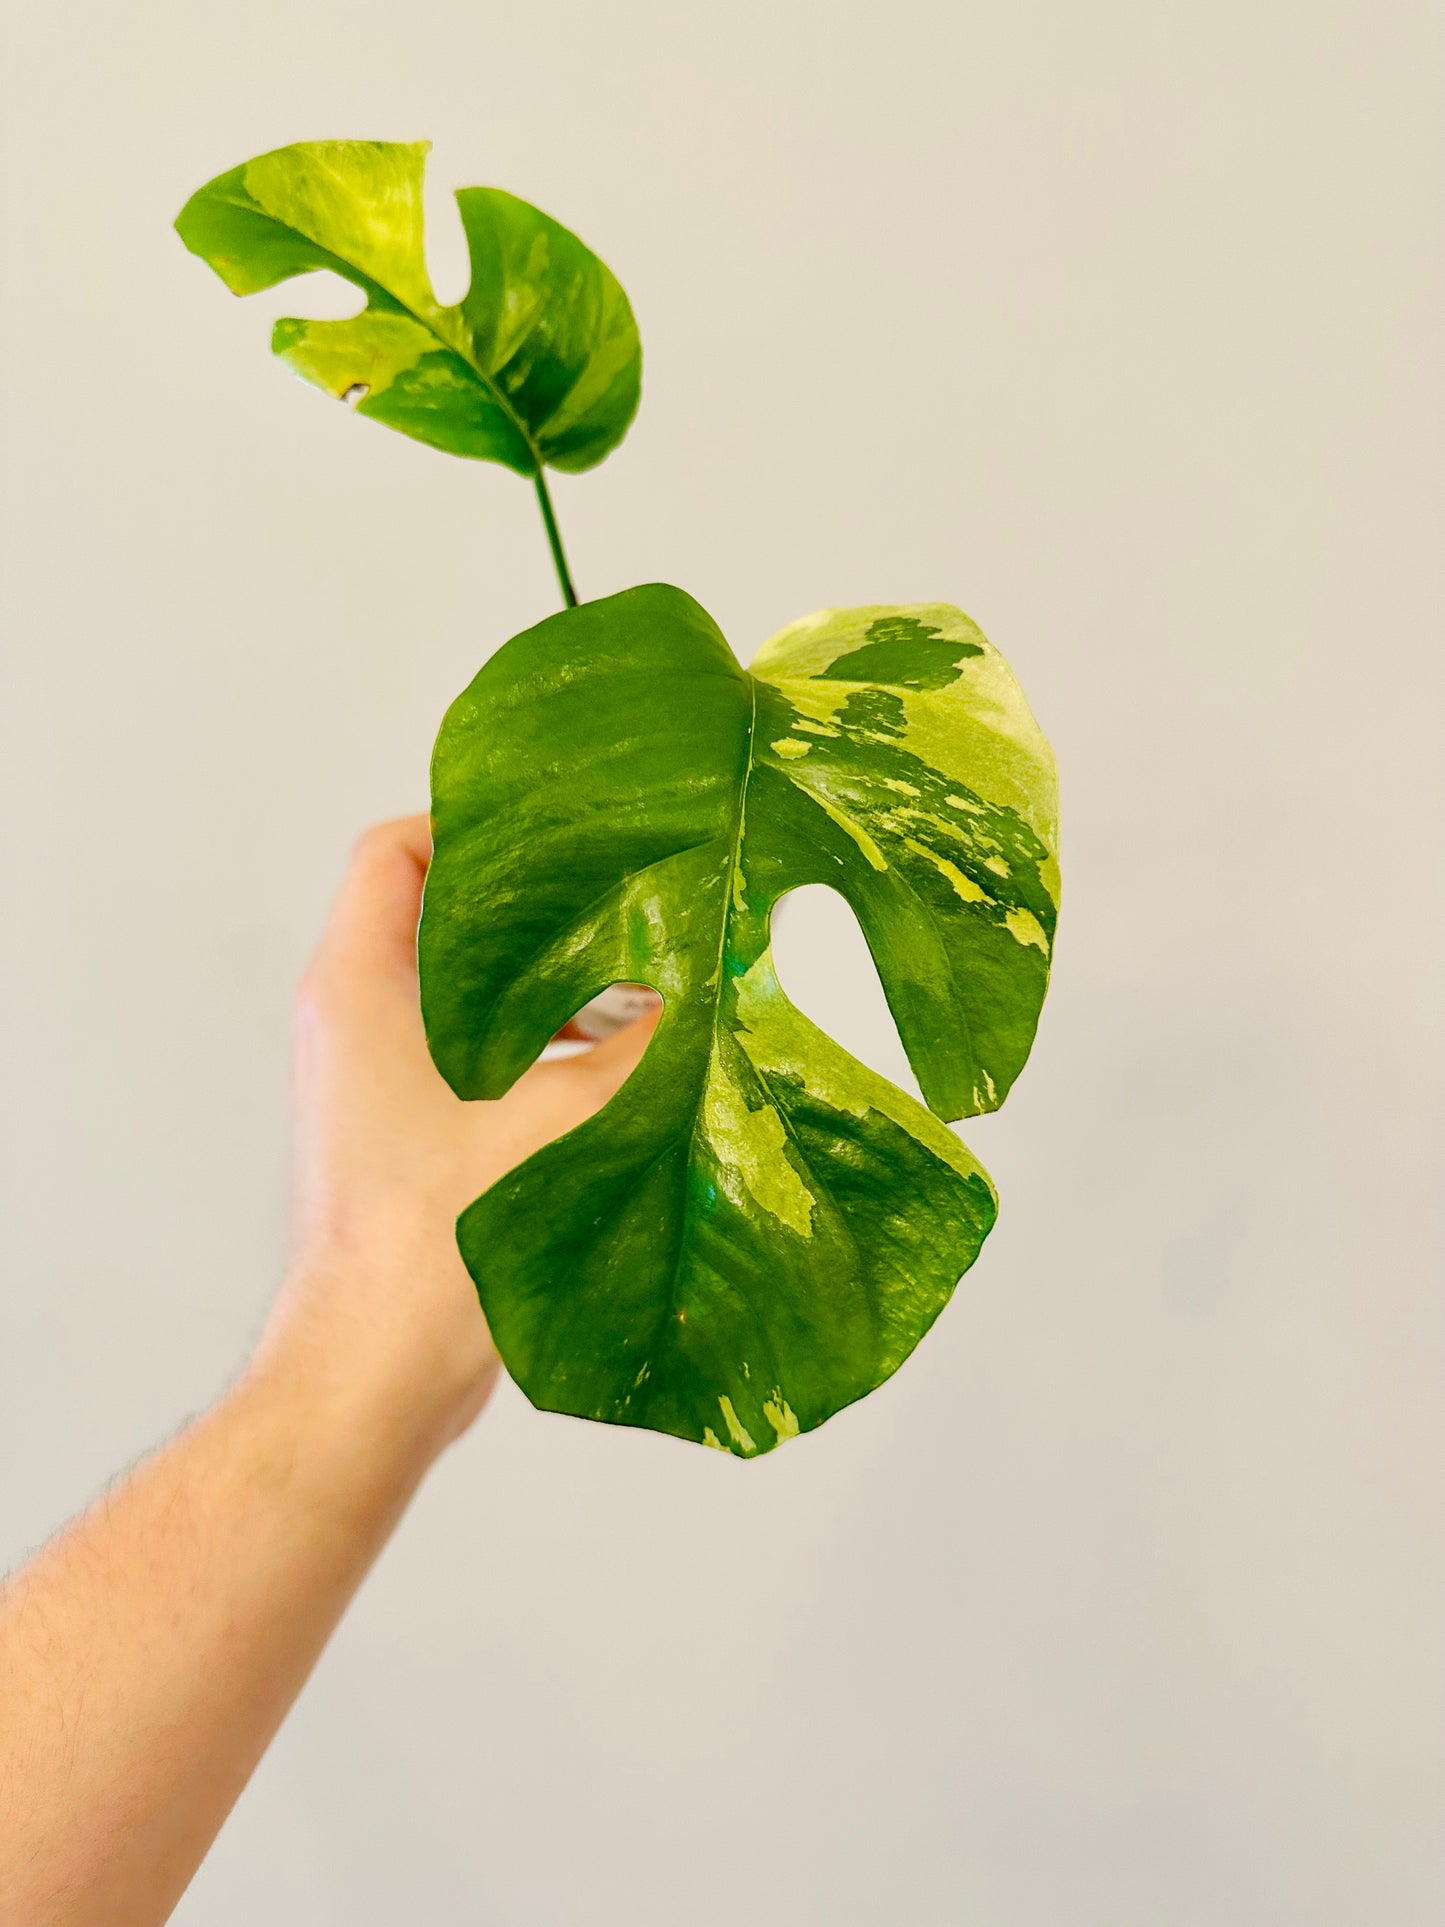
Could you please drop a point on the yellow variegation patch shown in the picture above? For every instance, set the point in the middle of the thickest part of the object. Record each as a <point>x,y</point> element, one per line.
<point>750,1146</point>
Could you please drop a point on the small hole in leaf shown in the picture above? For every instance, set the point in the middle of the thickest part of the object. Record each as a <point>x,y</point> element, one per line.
<point>613,1010</point>
<point>358,391</point>
<point>609,1012</point>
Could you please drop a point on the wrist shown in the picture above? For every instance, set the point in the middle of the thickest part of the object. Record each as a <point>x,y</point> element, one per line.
<point>355,1380</point>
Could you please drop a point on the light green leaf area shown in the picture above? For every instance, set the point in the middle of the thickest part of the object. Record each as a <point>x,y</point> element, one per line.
<point>538,364</point>
<point>757,1229</point>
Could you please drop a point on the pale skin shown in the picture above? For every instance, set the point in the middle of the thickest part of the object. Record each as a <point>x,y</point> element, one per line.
<point>149,1652</point>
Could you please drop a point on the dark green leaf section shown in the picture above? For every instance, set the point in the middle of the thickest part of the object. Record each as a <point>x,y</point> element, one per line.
<point>539,363</point>
<point>757,1229</point>
<point>906,653</point>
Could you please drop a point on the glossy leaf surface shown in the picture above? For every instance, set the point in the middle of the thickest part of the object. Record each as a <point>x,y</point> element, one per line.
<point>757,1229</point>
<point>539,363</point>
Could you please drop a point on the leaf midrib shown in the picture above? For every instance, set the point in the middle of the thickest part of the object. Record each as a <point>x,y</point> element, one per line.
<point>669,1311</point>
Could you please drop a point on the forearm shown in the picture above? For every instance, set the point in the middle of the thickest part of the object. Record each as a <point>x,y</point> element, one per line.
<point>149,1653</point>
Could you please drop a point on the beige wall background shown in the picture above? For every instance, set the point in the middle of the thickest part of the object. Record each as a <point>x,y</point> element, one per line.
<point>1118,325</point>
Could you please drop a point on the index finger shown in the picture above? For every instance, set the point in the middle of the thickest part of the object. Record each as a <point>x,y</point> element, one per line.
<point>379,901</point>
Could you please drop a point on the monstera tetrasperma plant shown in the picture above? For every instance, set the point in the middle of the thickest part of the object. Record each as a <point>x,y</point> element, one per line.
<point>757,1229</point>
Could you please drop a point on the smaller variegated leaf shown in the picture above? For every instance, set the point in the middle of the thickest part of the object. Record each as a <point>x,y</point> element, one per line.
<point>539,363</point>
<point>757,1229</point>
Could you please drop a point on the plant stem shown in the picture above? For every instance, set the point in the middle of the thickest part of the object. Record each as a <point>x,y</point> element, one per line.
<point>549,522</point>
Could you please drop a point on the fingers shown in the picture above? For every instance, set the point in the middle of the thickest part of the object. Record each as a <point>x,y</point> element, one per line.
<point>410,833</point>
<point>376,910</point>
<point>371,937</point>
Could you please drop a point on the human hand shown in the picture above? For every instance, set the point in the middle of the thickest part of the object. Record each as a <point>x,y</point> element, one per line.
<point>385,1157</point>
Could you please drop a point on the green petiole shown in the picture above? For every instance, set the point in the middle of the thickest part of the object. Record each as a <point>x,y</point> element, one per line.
<point>554,537</point>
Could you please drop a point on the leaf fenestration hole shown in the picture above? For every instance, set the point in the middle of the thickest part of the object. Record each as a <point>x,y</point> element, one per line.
<point>317,296</point>
<point>827,970</point>
<point>444,241</point>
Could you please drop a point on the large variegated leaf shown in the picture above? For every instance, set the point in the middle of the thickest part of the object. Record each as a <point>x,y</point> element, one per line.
<point>757,1229</point>
<point>539,363</point>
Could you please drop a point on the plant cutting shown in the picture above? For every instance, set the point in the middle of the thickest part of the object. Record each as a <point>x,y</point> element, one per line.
<point>757,1230</point>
